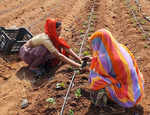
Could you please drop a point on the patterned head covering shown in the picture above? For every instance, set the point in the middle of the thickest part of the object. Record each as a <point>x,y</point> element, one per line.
<point>50,30</point>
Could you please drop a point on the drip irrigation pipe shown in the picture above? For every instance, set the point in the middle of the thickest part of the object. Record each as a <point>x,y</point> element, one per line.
<point>74,74</point>
<point>135,18</point>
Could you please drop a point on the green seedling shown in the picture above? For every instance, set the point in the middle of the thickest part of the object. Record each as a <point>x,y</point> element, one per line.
<point>77,72</point>
<point>89,34</point>
<point>134,24</point>
<point>139,30</point>
<point>60,85</point>
<point>70,69</point>
<point>81,31</point>
<point>134,8</point>
<point>75,49</point>
<point>84,26</point>
<point>142,21</point>
<point>51,100</point>
<point>145,46</point>
<point>92,24</point>
<point>85,23</point>
<point>92,29</point>
<point>86,53</point>
<point>94,17</point>
<point>87,46</point>
<point>78,93</point>
<point>144,36</point>
<point>133,20</point>
<point>71,112</point>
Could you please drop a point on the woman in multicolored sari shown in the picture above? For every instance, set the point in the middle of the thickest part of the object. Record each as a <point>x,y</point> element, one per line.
<point>113,72</point>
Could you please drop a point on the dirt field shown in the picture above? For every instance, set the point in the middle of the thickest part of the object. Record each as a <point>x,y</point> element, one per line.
<point>17,83</point>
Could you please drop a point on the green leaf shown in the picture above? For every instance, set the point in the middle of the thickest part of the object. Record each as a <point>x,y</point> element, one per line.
<point>78,93</point>
<point>77,71</point>
<point>92,24</point>
<point>81,31</point>
<point>92,29</point>
<point>145,36</point>
<point>142,21</point>
<point>145,46</point>
<point>86,53</point>
<point>71,112</point>
<point>60,85</point>
<point>70,68</point>
<point>85,23</point>
<point>84,26</point>
<point>51,100</point>
<point>87,46</point>
<point>89,34</point>
<point>134,8</point>
<point>94,17</point>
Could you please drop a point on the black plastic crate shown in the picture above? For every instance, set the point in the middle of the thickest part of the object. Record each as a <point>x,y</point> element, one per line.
<point>12,39</point>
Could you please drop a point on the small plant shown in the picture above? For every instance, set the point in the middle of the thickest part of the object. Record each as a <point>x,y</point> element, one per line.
<point>133,21</point>
<point>51,100</point>
<point>78,93</point>
<point>85,23</point>
<point>94,13</point>
<point>70,69</point>
<point>142,21</point>
<point>92,29</point>
<point>134,8</point>
<point>87,46</point>
<point>84,26</point>
<point>92,24</point>
<point>86,53</point>
<point>81,31</point>
<point>134,25</point>
<point>71,112</point>
<point>77,72</point>
<point>145,36</point>
<point>60,85</point>
<point>145,46</point>
<point>89,34</point>
<point>94,17</point>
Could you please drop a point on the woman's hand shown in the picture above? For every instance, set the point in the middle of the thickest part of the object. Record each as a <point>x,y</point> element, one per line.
<point>85,61</point>
<point>66,59</point>
<point>87,58</point>
<point>72,53</point>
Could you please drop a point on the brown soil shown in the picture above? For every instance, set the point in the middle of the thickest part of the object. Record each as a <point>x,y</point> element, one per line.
<point>17,83</point>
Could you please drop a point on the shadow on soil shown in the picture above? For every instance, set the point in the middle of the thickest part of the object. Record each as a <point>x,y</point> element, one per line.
<point>25,74</point>
<point>138,110</point>
<point>111,108</point>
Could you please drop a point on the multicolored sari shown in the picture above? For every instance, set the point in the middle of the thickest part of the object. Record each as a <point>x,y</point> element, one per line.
<point>114,68</point>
